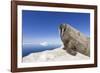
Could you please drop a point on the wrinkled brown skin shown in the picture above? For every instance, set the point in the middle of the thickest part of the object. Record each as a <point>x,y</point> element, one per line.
<point>71,45</point>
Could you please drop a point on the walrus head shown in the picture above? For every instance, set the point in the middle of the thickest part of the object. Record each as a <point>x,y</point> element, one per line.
<point>62,29</point>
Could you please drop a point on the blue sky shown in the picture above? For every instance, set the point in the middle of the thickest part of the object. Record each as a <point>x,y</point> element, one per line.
<point>40,26</point>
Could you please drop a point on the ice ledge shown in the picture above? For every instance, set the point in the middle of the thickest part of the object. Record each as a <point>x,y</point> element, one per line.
<point>57,54</point>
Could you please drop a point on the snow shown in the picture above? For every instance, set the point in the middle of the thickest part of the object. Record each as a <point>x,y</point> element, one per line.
<point>57,54</point>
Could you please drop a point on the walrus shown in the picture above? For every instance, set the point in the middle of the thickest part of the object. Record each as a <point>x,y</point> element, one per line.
<point>74,41</point>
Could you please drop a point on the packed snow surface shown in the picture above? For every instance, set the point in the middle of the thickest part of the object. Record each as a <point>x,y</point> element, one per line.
<point>57,54</point>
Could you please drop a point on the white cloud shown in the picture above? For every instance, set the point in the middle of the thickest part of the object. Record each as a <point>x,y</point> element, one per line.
<point>44,44</point>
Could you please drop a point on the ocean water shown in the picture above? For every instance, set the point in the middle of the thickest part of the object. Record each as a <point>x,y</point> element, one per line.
<point>26,50</point>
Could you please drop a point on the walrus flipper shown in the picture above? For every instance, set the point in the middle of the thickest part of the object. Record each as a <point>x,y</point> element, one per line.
<point>71,49</point>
